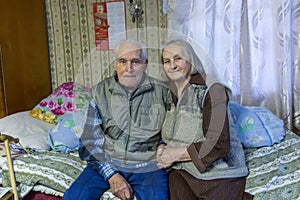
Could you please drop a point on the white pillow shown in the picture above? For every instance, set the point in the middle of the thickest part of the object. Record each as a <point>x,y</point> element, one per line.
<point>32,133</point>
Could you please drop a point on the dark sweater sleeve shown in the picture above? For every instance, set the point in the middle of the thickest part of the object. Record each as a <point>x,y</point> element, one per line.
<point>215,128</point>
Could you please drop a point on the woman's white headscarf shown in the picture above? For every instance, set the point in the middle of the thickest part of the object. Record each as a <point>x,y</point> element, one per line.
<point>199,59</point>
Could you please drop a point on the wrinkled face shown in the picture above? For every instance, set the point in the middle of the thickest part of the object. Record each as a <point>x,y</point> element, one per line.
<point>176,62</point>
<point>129,66</point>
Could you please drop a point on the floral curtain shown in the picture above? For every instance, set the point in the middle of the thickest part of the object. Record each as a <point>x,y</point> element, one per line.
<point>255,46</point>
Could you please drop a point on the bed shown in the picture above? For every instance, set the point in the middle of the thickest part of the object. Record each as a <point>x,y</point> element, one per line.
<point>49,133</point>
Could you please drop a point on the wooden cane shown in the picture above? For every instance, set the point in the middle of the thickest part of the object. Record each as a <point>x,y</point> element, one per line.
<point>6,138</point>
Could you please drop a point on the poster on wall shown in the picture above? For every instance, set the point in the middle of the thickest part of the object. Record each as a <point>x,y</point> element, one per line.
<point>109,23</point>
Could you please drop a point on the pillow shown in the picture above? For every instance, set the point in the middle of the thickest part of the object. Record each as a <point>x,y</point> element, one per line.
<point>68,98</point>
<point>65,136</point>
<point>255,126</point>
<point>32,133</point>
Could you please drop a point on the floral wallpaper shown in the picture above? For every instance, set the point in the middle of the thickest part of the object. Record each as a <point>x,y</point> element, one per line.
<point>72,52</point>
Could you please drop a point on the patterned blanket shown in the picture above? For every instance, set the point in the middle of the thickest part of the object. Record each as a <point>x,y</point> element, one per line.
<point>274,172</point>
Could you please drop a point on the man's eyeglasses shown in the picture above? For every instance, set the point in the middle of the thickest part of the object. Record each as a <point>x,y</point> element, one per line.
<point>134,62</point>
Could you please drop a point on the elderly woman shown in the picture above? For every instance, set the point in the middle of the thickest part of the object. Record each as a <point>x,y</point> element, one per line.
<point>206,159</point>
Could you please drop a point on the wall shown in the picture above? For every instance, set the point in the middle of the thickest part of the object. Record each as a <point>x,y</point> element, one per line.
<point>71,40</point>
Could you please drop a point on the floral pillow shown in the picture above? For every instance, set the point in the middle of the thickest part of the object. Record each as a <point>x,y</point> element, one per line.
<point>68,98</point>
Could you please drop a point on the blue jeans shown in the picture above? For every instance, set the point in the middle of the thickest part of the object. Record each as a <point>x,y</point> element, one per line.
<point>146,186</point>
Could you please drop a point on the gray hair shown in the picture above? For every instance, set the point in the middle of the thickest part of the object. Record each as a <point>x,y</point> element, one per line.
<point>140,46</point>
<point>196,64</point>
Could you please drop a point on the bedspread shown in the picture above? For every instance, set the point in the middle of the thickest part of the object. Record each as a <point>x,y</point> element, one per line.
<point>273,171</point>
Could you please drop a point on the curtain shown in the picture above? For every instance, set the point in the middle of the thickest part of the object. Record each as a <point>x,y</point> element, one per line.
<point>255,46</point>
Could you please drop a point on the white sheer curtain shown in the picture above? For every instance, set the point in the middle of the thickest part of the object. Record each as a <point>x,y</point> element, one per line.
<point>254,44</point>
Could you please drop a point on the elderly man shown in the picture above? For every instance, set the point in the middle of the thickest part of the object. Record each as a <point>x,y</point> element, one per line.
<point>122,132</point>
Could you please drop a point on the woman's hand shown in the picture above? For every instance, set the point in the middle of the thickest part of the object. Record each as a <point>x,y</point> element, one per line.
<point>166,156</point>
<point>160,150</point>
<point>159,153</point>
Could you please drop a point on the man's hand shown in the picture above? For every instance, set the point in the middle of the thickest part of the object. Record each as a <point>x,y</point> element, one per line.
<point>120,187</point>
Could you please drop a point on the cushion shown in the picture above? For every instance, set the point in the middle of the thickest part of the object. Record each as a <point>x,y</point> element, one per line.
<point>255,126</point>
<point>68,98</point>
<point>67,108</point>
<point>32,133</point>
<point>64,137</point>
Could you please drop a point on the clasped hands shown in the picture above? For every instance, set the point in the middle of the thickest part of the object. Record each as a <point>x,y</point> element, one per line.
<point>166,156</point>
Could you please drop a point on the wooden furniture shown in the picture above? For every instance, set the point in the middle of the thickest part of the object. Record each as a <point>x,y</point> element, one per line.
<point>3,107</point>
<point>24,59</point>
